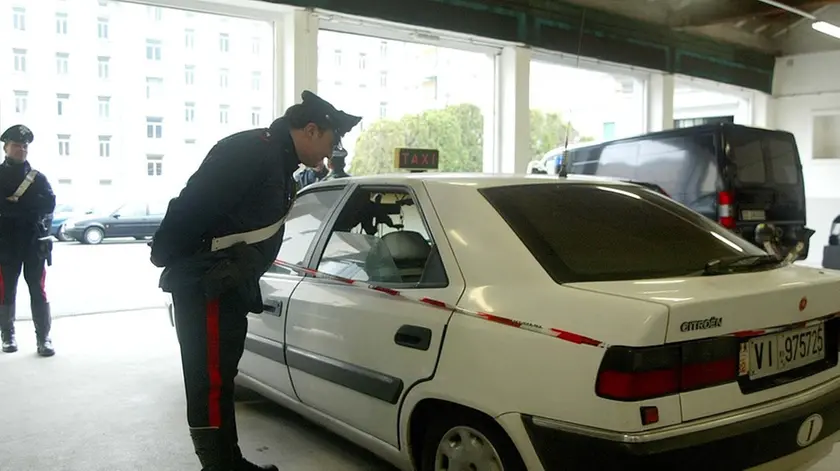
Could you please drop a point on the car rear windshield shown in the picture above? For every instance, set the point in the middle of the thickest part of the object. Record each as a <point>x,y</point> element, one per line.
<point>588,232</point>
<point>764,158</point>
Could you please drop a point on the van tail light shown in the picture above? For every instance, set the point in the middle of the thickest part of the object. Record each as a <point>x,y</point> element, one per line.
<point>726,210</point>
<point>635,374</point>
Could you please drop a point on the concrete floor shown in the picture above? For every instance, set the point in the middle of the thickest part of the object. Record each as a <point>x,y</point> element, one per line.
<point>112,400</point>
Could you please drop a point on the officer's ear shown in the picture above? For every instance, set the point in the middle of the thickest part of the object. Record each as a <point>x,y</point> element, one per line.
<point>312,130</point>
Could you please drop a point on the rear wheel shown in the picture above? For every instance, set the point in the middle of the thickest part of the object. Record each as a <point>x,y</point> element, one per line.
<point>464,440</point>
<point>93,236</point>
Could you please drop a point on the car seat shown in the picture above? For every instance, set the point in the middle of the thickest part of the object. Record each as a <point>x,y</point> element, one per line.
<point>400,257</point>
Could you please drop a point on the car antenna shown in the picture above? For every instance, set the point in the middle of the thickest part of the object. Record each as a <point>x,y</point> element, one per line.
<point>563,168</point>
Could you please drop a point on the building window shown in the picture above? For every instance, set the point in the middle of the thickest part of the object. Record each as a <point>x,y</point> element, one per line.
<point>104,146</point>
<point>255,116</point>
<point>224,42</point>
<point>256,81</point>
<point>383,110</point>
<point>104,67</point>
<point>154,128</point>
<point>21,102</point>
<point>65,181</point>
<point>189,112</point>
<point>61,23</point>
<point>189,142</point>
<point>61,103</point>
<point>189,75</point>
<point>153,49</point>
<point>383,49</point>
<point>105,182</point>
<point>362,61</point>
<point>62,63</point>
<point>102,28</point>
<point>104,107</point>
<point>19,18</point>
<point>224,114</point>
<point>154,13</point>
<point>256,45</point>
<point>103,3</point>
<point>64,145</point>
<point>189,38</point>
<point>20,60</point>
<point>383,79</point>
<point>154,88</point>
<point>154,165</point>
<point>337,57</point>
<point>223,78</point>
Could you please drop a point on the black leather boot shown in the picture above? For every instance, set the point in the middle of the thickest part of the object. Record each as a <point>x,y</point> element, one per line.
<point>212,449</point>
<point>42,318</point>
<point>7,329</point>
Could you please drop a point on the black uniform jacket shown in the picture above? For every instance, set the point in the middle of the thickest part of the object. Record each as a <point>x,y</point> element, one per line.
<point>245,183</point>
<point>23,222</point>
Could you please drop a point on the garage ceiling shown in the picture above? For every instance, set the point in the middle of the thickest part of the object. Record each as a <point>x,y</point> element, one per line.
<point>749,23</point>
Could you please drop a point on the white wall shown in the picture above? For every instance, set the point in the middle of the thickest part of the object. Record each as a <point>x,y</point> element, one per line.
<point>806,88</point>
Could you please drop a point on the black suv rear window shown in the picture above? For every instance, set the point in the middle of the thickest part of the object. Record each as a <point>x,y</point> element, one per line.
<point>586,232</point>
<point>764,157</point>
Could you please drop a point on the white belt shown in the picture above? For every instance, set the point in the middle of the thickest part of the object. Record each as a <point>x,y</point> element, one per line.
<point>24,185</point>
<point>251,237</point>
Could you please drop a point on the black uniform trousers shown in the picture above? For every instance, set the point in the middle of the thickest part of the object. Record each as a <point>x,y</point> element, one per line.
<point>212,338</point>
<point>34,273</point>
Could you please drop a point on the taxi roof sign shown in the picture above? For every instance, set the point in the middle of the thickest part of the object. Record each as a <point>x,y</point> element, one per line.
<point>416,159</point>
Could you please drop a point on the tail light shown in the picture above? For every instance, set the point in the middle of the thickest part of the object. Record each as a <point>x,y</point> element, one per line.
<point>726,215</point>
<point>635,374</point>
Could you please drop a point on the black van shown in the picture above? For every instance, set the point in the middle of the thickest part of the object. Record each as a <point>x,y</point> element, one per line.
<point>737,175</point>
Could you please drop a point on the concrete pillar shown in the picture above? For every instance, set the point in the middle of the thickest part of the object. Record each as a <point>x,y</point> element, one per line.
<point>762,110</point>
<point>296,58</point>
<point>513,115</point>
<point>660,102</point>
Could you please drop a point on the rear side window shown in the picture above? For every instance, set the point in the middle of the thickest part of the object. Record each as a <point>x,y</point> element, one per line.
<point>582,232</point>
<point>764,157</point>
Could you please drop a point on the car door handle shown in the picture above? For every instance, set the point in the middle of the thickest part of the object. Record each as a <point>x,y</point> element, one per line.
<point>413,336</point>
<point>275,308</point>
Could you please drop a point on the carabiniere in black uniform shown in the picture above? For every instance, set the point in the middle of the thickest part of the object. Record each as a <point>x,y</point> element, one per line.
<point>25,210</point>
<point>219,236</point>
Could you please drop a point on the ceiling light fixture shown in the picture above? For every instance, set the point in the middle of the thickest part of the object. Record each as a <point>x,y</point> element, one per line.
<point>826,28</point>
<point>821,26</point>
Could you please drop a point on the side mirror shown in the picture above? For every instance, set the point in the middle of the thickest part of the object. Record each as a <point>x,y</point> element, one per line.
<point>115,215</point>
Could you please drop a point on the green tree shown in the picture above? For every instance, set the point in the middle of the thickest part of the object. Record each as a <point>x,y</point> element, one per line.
<point>548,131</point>
<point>456,131</point>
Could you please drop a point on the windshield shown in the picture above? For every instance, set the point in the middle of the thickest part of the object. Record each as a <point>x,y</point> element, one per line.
<point>582,232</point>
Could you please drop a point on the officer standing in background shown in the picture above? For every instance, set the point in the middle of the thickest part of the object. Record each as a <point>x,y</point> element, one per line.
<point>27,201</point>
<point>219,236</point>
<point>337,164</point>
<point>308,175</point>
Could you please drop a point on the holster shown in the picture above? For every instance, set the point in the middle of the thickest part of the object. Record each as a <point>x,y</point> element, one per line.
<point>44,248</point>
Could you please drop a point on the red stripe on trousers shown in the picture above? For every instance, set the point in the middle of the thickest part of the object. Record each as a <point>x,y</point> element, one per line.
<point>214,374</point>
<point>44,284</point>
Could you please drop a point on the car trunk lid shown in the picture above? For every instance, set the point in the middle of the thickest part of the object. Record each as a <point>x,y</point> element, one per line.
<point>761,309</point>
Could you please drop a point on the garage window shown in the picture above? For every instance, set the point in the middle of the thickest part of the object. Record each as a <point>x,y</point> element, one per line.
<point>608,232</point>
<point>308,213</point>
<point>381,237</point>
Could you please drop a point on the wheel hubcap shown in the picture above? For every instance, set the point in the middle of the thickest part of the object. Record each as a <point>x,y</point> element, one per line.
<point>94,236</point>
<point>466,449</point>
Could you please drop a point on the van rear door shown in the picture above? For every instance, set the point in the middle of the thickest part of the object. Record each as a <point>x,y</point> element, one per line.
<point>765,181</point>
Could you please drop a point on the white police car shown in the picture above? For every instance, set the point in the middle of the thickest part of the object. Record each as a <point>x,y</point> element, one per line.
<point>445,323</point>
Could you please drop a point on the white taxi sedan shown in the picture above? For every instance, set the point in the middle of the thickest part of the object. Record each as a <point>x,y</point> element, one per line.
<point>463,322</point>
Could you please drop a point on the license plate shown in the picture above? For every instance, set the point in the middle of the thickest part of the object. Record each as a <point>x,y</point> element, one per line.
<point>776,353</point>
<point>753,215</point>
